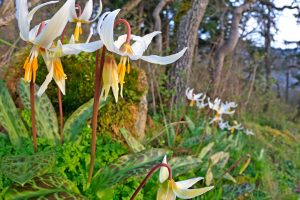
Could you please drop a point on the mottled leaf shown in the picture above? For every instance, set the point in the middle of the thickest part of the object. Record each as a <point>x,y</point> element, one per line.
<point>127,166</point>
<point>236,191</point>
<point>77,120</point>
<point>181,165</point>
<point>10,118</point>
<point>46,119</point>
<point>209,177</point>
<point>22,168</point>
<point>205,150</point>
<point>46,187</point>
<point>133,144</point>
<point>190,123</point>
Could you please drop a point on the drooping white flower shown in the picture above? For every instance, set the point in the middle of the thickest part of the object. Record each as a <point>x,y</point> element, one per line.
<point>235,126</point>
<point>221,108</point>
<point>190,95</point>
<point>83,17</point>
<point>42,35</point>
<point>54,65</point>
<point>223,125</point>
<point>126,50</point>
<point>170,189</point>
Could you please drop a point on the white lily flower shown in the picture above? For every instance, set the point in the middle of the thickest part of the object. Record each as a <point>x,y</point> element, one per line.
<point>126,50</point>
<point>83,17</point>
<point>189,93</point>
<point>54,65</point>
<point>41,37</point>
<point>221,108</point>
<point>170,189</point>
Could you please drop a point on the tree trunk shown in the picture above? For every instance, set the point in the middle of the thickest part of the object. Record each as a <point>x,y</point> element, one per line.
<point>228,46</point>
<point>157,22</point>
<point>186,37</point>
<point>129,6</point>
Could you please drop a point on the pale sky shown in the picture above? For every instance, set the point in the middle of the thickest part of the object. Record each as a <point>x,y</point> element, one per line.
<point>287,24</point>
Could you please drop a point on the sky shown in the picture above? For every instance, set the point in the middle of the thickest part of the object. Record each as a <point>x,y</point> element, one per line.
<point>287,24</point>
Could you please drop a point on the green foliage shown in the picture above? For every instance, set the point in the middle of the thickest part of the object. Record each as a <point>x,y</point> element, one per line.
<point>22,168</point>
<point>9,117</point>
<point>75,123</point>
<point>133,144</point>
<point>49,186</point>
<point>46,119</point>
<point>125,167</point>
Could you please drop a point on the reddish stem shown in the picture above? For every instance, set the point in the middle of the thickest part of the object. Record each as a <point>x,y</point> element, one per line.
<point>33,126</point>
<point>41,27</point>
<point>61,115</point>
<point>79,9</point>
<point>149,175</point>
<point>126,23</point>
<point>98,74</point>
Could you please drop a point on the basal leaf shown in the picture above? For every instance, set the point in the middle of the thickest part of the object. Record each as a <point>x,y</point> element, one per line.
<point>77,120</point>
<point>127,166</point>
<point>10,118</point>
<point>46,187</point>
<point>181,165</point>
<point>190,123</point>
<point>46,119</point>
<point>133,144</point>
<point>22,168</point>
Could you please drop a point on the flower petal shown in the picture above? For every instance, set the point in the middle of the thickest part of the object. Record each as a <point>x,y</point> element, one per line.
<point>49,77</point>
<point>22,17</point>
<point>73,49</point>
<point>164,60</point>
<point>163,172</point>
<point>165,192</point>
<point>73,13</point>
<point>99,12</point>
<point>142,43</point>
<point>188,183</point>
<point>55,26</point>
<point>33,11</point>
<point>87,11</point>
<point>107,31</point>
<point>190,193</point>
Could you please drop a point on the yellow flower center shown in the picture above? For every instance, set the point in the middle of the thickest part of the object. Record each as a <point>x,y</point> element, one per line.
<point>192,103</point>
<point>58,70</point>
<point>31,66</point>
<point>124,64</point>
<point>78,31</point>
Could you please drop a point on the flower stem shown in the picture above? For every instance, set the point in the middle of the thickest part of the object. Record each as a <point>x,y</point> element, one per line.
<point>149,175</point>
<point>33,123</point>
<point>126,23</point>
<point>61,115</point>
<point>98,76</point>
<point>79,9</point>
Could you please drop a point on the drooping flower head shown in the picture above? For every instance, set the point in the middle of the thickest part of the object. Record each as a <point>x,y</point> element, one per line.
<point>42,35</point>
<point>83,17</point>
<point>170,189</point>
<point>54,65</point>
<point>235,126</point>
<point>221,108</point>
<point>194,98</point>
<point>123,47</point>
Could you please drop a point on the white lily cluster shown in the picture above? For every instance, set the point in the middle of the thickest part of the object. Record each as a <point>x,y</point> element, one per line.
<point>170,189</point>
<point>219,108</point>
<point>43,36</point>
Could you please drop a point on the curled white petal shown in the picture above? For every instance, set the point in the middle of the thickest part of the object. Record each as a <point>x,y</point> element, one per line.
<point>188,183</point>
<point>163,173</point>
<point>164,60</point>
<point>87,11</point>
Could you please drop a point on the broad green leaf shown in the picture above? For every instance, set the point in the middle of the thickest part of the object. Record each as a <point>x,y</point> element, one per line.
<point>22,168</point>
<point>183,164</point>
<point>205,150</point>
<point>190,123</point>
<point>46,119</point>
<point>75,123</point>
<point>237,191</point>
<point>133,144</point>
<point>127,166</point>
<point>191,141</point>
<point>171,136</point>
<point>45,187</point>
<point>10,118</point>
